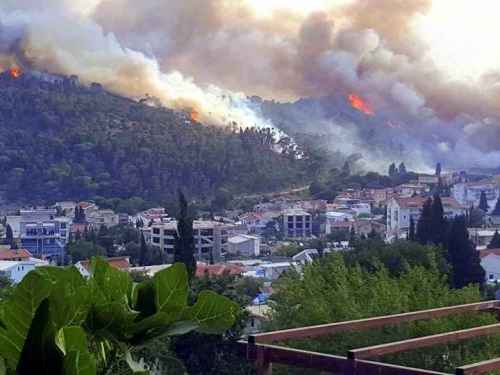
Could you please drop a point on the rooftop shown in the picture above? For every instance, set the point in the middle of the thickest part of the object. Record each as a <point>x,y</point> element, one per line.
<point>15,254</point>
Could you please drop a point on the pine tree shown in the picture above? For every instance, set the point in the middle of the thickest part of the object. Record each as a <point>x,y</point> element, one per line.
<point>393,170</point>
<point>463,257</point>
<point>143,252</point>
<point>184,246</point>
<point>411,231</point>
<point>9,235</point>
<point>495,241</point>
<point>483,202</point>
<point>346,169</point>
<point>438,222</point>
<point>424,229</point>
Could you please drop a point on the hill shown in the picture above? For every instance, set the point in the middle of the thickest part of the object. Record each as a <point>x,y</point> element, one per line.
<point>62,140</point>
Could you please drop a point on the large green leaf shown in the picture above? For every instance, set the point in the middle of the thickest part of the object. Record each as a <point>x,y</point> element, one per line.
<point>79,363</point>
<point>18,315</point>
<point>71,338</point>
<point>114,284</point>
<point>171,288</point>
<point>3,369</point>
<point>212,313</point>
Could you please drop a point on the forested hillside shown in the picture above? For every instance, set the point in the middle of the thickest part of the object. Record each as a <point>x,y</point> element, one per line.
<point>62,140</point>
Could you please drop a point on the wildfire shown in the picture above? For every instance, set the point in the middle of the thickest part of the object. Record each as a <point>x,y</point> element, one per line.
<point>16,72</point>
<point>194,115</point>
<point>361,105</point>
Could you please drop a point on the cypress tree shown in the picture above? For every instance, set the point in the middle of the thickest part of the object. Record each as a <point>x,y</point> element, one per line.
<point>392,170</point>
<point>143,251</point>
<point>495,241</point>
<point>438,169</point>
<point>402,170</point>
<point>437,221</point>
<point>424,230</point>
<point>9,235</point>
<point>483,202</point>
<point>463,257</point>
<point>411,231</point>
<point>496,210</point>
<point>184,246</point>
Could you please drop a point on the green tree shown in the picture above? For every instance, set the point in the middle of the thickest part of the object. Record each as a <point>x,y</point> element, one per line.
<point>402,170</point>
<point>483,202</point>
<point>184,246</point>
<point>495,241</point>
<point>496,210</point>
<point>83,250</point>
<point>438,169</point>
<point>463,257</point>
<point>143,251</point>
<point>393,171</point>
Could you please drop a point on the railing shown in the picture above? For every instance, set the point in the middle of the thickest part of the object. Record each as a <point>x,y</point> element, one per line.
<point>258,348</point>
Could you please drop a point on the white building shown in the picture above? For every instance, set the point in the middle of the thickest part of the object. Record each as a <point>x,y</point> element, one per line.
<point>481,237</point>
<point>210,238</point>
<point>272,271</point>
<point>333,217</point>
<point>306,256</point>
<point>297,223</point>
<point>17,270</point>
<point>401,210</point>
<point>100,218</point>
<point>244,244</point>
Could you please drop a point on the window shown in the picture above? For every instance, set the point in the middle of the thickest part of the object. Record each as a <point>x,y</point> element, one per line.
<point>169,250</point>
<point>207,232</point>
<point>169,241</point>
<point>290,225</point>
<point>300,219</point>
<point>491,276</point>
<point>156,230</point>
<point>206,250</point>
<point>156,239</point>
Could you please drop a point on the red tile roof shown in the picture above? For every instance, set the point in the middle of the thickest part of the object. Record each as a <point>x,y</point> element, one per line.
<point>121,263</point>
<point>485,253</point>
<point>15,254</point>
<point>219,269</point>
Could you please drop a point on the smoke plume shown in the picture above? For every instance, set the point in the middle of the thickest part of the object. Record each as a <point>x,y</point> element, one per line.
<point>209,55</point>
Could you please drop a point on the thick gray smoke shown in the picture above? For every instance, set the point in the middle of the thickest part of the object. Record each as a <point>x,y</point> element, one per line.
<point>204,54</point>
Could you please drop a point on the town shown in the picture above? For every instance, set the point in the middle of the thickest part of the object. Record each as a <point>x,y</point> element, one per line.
<point>281,232</point>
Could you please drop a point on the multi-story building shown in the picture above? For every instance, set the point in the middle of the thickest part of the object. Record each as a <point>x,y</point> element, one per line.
<point>401,210</point>
<point>297,223</point>
<point>245,245</point>
<point>210,238</point>
<point>100,218</point>
<point>43,234</point>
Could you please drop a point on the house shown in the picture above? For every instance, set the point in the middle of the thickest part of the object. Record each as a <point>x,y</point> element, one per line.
<point>244,244</point>
<point>102,218</point>
<point>333,217</point>
<point>120,263</point>
<point>17,270</point>
<point>297,223</point>
<point>306,256</point>
<point>218,269</point>
<point>481,237</point>
<point>152,215</point>
<point>43,234</point>
<point>409,190</point>
<point>490,261</point>
<point>18,255</point>
<point>400,210</point>
<point>428,179</point>
<point>210,238</point>
<point>272,271</point>
<point>256,222</point>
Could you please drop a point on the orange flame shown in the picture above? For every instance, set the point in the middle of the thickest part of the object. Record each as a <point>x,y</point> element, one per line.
<point>360,105</point>
<point>16,72</point>
<point>194,115</point>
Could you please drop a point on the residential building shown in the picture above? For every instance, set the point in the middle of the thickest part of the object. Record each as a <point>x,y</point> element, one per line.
<point>401,210</point>
<point>100,218</point>
<point>306,256</point>
<point>244,245</point>
<point>42,233</point>
<point>481,237</point>
<point>297,223</point>
<point>18,255</point>
<point>428,179</point>
<point>256,222</point>
<point>333,217</point>
<point>153,215</point>
<point>218,269</point>
<point>272,271</point>
<point>210,238</point>
<point>258,315</point>
<point>409,190</point>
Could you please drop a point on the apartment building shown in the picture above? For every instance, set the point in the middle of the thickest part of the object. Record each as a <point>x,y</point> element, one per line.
<point>297,223</point>
<point>210,238</point>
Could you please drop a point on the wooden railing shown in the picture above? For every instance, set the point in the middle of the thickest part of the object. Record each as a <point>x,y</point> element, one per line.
<point>260,350</point>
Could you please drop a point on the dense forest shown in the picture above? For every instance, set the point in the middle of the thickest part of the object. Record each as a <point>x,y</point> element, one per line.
<point>62,140</point>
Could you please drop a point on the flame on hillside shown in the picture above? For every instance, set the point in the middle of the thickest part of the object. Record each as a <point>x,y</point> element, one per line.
<point>15,72</point>
<point>358,103</point>
<point>195,115</point>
